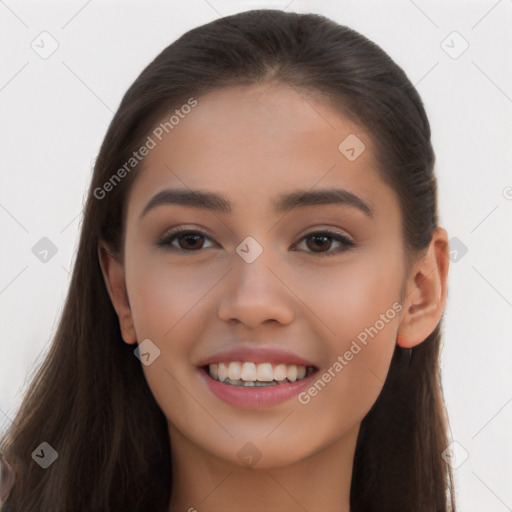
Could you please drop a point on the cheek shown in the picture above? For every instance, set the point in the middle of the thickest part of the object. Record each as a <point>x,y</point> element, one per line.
<point>169,307</point>
<point>164,296</point>
<point>359,304</point>
<point>352,296</point>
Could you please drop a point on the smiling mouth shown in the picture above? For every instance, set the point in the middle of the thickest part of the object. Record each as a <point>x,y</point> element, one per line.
<point>249,374</point>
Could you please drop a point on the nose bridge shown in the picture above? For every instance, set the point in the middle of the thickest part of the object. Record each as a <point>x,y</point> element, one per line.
<point>252,267</point>
<point>255,293</point>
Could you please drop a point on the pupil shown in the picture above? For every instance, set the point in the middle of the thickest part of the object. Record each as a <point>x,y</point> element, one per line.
<point>187,237</point>
<point>324,237</point>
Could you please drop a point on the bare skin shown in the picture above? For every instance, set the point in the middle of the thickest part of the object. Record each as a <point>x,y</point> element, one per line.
<point>252,144</point>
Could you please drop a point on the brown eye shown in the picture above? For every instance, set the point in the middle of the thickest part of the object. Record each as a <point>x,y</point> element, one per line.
<point>321,241</point>
<point>191,241</point>
<point>188,240</point>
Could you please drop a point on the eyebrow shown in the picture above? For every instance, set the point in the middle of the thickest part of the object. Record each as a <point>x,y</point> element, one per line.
<point>214,202</point>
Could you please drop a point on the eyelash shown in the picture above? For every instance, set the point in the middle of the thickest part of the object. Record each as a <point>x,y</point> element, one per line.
<point>166,240</point>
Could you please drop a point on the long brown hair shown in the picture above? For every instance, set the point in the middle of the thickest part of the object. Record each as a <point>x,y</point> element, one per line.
<point>89,399</point>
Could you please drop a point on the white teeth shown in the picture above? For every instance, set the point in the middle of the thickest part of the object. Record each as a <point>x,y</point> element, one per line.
<point>264,372</point>
<point>280,372</point>
<point>250,374</point>
<point>234,370</point>
<point>291,372</point>
<point>223,372</point>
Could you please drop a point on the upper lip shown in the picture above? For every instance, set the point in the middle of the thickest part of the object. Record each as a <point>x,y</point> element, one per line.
<point>274,355</point>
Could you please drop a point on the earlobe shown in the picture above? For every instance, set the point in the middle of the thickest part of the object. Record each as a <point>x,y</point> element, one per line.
<point>426,295</point>
<point>113,275</point>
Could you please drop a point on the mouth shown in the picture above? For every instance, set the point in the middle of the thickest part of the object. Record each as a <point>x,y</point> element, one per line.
<point>250,384</point>
<point>249,374</point>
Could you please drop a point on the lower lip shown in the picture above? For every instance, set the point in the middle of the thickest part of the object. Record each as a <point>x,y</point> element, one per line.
<point>267,396</point>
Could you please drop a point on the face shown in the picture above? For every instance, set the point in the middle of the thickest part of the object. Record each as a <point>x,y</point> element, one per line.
<point>261,289</point>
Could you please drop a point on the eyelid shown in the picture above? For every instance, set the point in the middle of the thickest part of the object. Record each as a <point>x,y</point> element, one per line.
<point>334,231</point>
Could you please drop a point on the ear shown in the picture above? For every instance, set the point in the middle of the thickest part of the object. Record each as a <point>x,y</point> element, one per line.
<point>426,294</point>
<point>113,274</point>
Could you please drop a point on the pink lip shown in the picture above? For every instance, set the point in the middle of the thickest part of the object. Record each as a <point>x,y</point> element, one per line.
<point>274,355</point>
<point>255,396</point>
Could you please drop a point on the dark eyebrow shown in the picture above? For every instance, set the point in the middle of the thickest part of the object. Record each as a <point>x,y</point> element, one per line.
<point>216,203</point>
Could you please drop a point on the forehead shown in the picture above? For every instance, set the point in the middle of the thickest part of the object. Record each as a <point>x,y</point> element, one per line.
<point>252,142</point>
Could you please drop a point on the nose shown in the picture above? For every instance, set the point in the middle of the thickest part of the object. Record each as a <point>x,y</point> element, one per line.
<point>256,293</point>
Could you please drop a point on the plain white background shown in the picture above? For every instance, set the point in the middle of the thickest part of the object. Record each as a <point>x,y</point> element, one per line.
<point>55,111</point>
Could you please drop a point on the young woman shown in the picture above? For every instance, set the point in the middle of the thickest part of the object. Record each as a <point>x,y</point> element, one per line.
<point>253,320</point>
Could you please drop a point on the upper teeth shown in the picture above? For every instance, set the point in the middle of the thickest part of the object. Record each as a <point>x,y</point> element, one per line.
<point>251,372</point>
